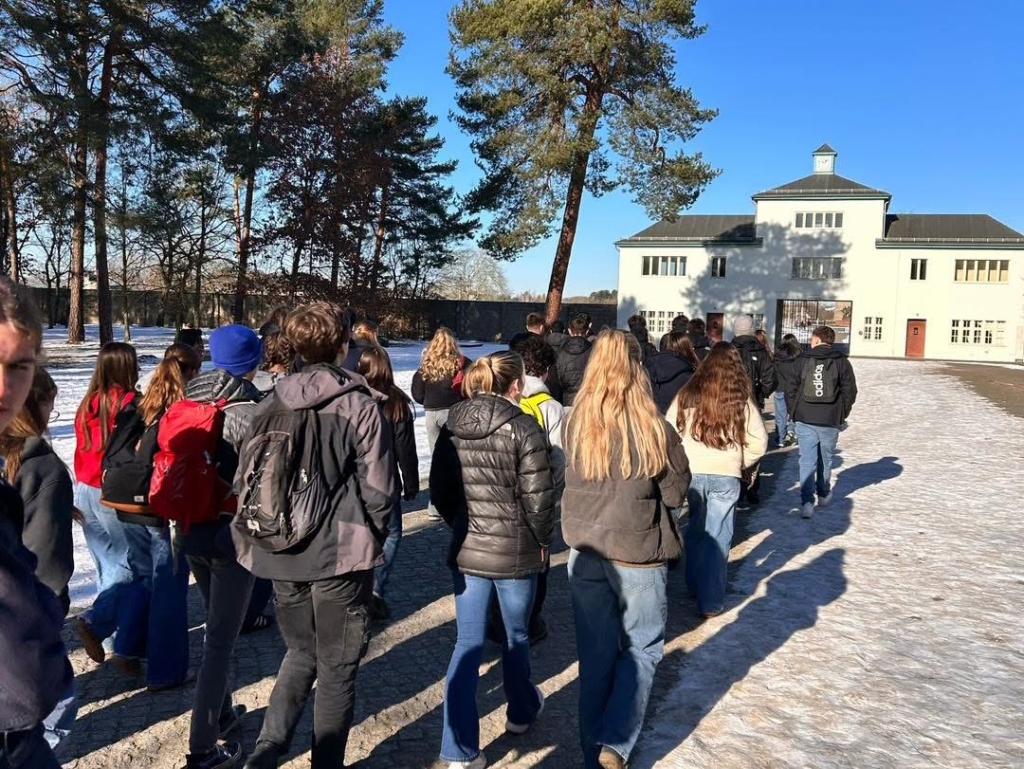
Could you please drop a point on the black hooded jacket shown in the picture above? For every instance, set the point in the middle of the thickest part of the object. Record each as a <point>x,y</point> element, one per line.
<point>571,364</point>
<point>759,365</point>
<point>491,481</point>
<point>788,366</point>
<point>669,373</point>
<point>823,414</point>
<point>45,488</point>
<point>701,345</point>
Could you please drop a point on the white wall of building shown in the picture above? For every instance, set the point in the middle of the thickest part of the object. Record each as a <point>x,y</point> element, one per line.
<point>877,280</point>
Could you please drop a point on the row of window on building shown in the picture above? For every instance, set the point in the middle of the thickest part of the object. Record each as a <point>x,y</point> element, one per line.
<point>991,333</point>
<point>831,268</point>
<point>828,220</point>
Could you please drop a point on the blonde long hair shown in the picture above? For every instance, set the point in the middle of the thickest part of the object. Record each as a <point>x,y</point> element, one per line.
<point>615,410</point>
<point>441,359</point>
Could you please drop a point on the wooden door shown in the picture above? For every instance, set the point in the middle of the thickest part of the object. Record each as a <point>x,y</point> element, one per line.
<point>915,338</point>
<point>714,326</point>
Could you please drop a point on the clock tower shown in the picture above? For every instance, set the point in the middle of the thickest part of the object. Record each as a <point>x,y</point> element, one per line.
<point>824,160</point>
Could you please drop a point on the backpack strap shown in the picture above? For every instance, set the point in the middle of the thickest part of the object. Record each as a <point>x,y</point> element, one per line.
<point>531,405</point>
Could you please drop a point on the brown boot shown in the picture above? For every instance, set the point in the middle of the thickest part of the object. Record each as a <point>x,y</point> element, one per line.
<point>91,642</point>
<point>609,759</point>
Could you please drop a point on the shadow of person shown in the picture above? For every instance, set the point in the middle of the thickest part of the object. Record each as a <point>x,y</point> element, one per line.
<point>791,603</point>
<point>867,474</point>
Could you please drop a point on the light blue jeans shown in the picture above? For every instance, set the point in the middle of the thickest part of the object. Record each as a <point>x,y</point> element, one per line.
<point>708,537</point>
<point>57,725</point>
<point>461,738</point>
<point>122,568</point>
<point>620,613</point>
<point>435,420</point>
<point>781,416</point>
<point>817,447</point>
<point>383,572</point>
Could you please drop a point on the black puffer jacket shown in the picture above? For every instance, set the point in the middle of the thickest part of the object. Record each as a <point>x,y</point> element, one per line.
<point>759,365</point>
<point>669,372</point>
<point>571,364</point>
<point>436,396</point>
<point>788,366</point>
<point>491,481</point>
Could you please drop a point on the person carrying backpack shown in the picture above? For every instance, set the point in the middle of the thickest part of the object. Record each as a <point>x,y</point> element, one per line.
<point>203,534</point>
<point>317,488</point>
<point>820,401</point>
<point>671,368</point>
<point>788,365</point>
<point>34,669</point>
<point>761,370</point>
<point>571,358</point>
<point>159,634</point>
<point>375,365</point>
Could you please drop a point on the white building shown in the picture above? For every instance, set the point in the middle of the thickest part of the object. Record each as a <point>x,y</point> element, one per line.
<point>824,249</point>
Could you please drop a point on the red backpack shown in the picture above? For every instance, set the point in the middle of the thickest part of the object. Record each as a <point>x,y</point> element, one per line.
<point>186,486</point>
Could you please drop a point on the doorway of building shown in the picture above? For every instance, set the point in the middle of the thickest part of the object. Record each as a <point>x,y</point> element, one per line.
<point>714,324</point>
<point>915,338</point>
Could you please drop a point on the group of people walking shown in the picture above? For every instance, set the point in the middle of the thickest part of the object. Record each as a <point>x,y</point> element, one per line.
<point>280,469</point>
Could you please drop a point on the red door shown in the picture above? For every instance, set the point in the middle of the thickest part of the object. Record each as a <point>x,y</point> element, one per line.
<point>714,324</point>
<point>915,338</point>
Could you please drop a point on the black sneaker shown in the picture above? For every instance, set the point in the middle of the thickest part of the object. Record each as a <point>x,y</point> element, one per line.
<point>266,755</point>
<point>220,757</point>
<point>228,721</point>
<point>538,631</point>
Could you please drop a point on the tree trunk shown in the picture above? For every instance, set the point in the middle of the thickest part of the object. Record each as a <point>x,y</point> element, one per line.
<point>99,190</point>
<point>245,231</point>
<point>10,210</point>
<point>76,279</point>
<point>378,239</point>
<point>573,199</point>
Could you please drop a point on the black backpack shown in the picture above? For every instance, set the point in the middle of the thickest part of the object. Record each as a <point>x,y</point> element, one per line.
<point>128,467</point>
<point>284,496</point>
<point>820,381</point>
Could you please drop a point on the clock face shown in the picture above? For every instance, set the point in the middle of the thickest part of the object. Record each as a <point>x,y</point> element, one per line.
<point>822,162</point>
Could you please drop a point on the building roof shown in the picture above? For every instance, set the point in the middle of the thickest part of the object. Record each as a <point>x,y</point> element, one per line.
<point>700,228</point>
<point>825,148</point>
<point>948,228</point>
<point>823,185</point>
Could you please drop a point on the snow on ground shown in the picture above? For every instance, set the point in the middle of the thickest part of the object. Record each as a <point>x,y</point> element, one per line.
<point>72,365</point>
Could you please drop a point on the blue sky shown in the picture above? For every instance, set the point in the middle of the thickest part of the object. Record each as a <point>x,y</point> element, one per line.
<point>923,98</point>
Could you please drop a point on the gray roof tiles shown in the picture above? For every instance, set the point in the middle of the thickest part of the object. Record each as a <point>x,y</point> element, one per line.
<point>825,148</point>
<point>948,228</point>
<point>825,185</point>
<point>724,228</point>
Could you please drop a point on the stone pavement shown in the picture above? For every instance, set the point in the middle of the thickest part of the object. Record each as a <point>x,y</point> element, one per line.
<point>884,632</point>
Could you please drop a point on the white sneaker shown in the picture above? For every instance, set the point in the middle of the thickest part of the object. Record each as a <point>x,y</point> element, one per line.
<point>823,501</point>
<point>512,728</point>
<point>807,510</point>
<point>477,763</point>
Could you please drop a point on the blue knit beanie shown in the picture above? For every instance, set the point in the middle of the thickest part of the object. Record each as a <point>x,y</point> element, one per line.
<point>236,349</point>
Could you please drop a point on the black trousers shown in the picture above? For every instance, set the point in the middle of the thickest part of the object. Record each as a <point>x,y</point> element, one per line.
<point>26,750</point>
<point>326,627</point>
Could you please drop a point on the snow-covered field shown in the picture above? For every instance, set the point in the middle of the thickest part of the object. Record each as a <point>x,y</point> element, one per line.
<point>72,366</point>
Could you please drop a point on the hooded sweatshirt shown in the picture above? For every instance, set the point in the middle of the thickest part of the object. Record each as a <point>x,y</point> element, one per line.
<point>823,414</point>
<point>571,365</point>
<point>552,411</point>
<point>491,481</point>
<point>669,373</point>
<point>701,345</point>
<point>360,470</point>
<point>45,488</point>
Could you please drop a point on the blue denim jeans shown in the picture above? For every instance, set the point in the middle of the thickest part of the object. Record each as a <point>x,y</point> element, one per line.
<point>383,572</point>
<point>435,420</point>
<point>708,537</point>
<point>121,569</point>
<point>158,631</point>
<point>620,614</point>
<point>781,416</point>
<point>817,446</point>
<point>461,738</point>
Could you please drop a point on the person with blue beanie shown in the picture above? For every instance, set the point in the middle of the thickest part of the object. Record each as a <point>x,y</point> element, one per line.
<point>236,352</point>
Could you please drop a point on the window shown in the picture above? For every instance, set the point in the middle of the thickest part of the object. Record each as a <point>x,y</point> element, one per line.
<point>918,269</point>
<point>981,271</point>
<point>817,268</point>
<point>825,219</point>
<point>758,318</point>
<point>872,329</point>
<point>718,267</point>
<point>659,321</point>
<point>667,266</point>
<point>990,333</point>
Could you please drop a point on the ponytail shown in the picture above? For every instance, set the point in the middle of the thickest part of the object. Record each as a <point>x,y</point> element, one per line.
<point>170,380</point>
<point>495,374</point>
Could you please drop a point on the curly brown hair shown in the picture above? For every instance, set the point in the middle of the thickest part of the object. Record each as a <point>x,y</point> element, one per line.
<point>718,394</point>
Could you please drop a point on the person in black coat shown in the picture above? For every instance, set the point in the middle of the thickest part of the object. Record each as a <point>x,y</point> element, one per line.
<point>695,331</point>
<point>572,357</point>
<point>761,370</point>
<point>671,369</point>
<point>491,481</point>
<point>375,366</point>
<point>787,371</point>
